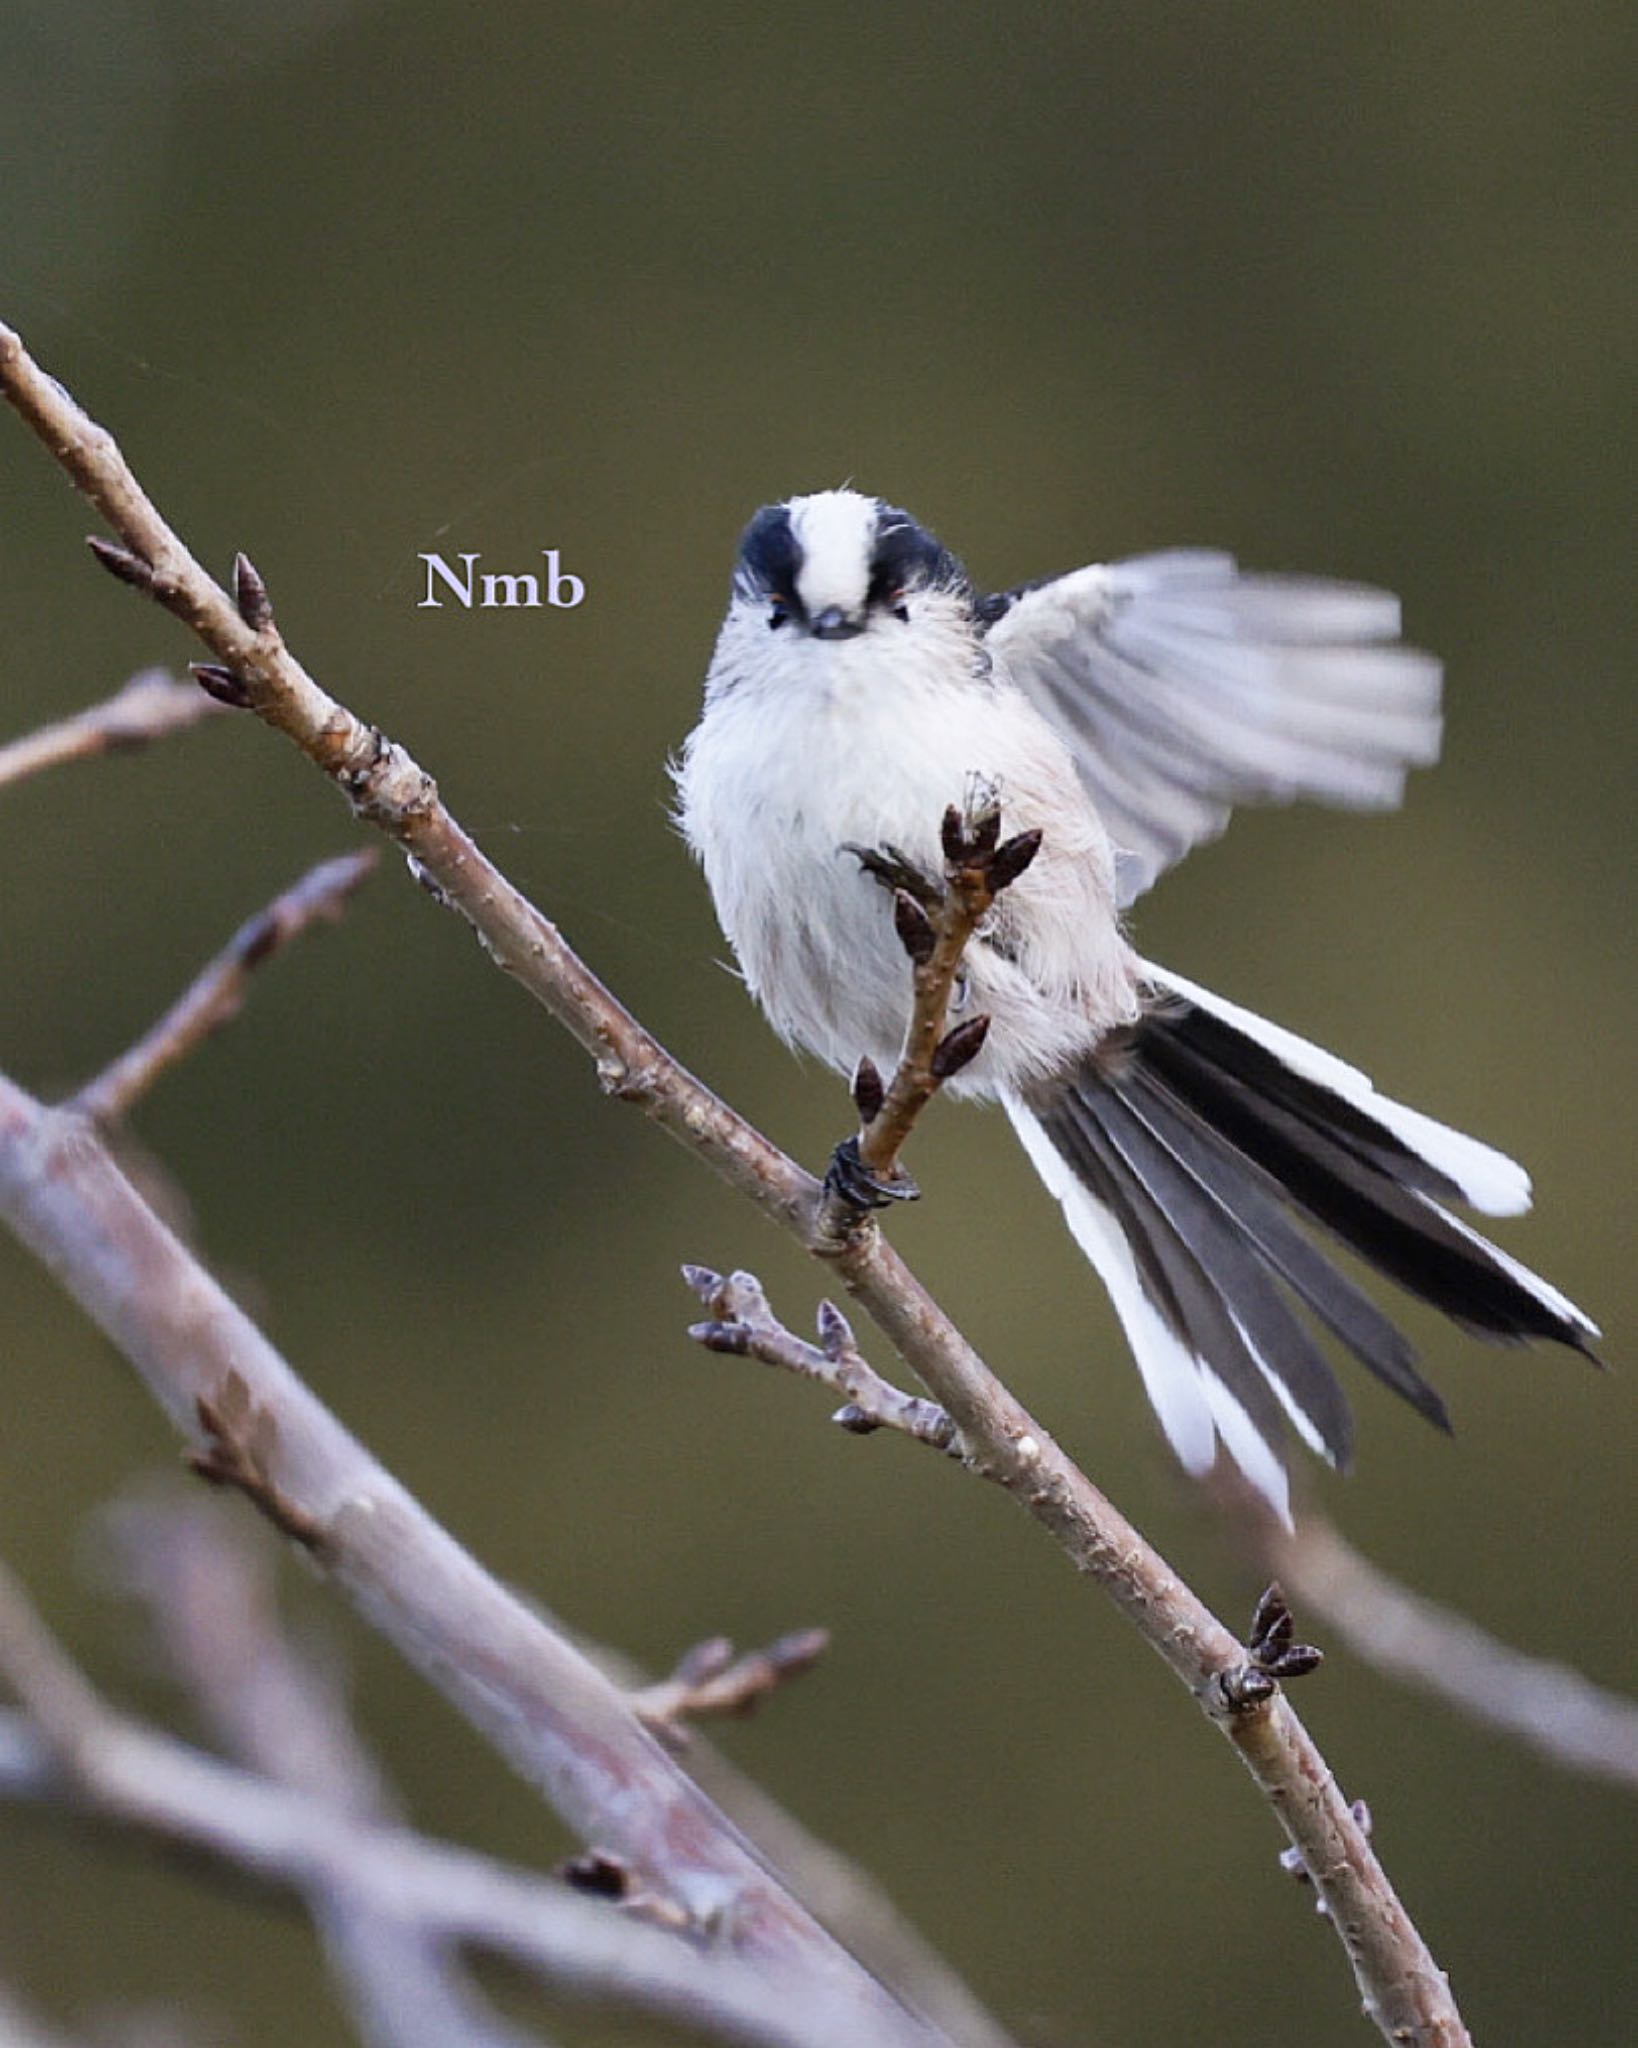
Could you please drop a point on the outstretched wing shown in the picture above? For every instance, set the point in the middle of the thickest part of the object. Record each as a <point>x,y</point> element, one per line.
<point>1186,687</point>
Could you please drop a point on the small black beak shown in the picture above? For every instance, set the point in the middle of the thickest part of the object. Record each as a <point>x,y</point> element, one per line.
<point>834,624</point>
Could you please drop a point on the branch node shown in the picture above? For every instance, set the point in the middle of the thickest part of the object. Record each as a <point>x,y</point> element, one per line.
<point>959,1048</point>
<point>250,595</point>
<point>851,1417</point>
<point>1008,862</point>
<point>1271,1639</point>
<point>221,683</point>
<point>744,1326</point>
<point>1292,1862</point>
<point>1244,1687</point>
<point>835,1333</point>
<point>914,928</point>
<point>710,1680</point>
<point>597,1873</point>
<point>240,1439</point>
<point>869,1090</point>
<point>121,562</point>
<point>703,1281</point>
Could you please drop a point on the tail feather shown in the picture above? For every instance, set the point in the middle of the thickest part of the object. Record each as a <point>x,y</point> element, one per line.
<point>1232,1269</point>
<point>1251,1198</point>
<point>1193,1406</point>
<point>1189,1295</point>
<point>1482,1177</point>
<point>1386,1218</point>
<point>1183,1151</point>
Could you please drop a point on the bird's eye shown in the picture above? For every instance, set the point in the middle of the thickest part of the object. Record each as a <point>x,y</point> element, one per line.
<point>890,596</point>
<point>778,611</point>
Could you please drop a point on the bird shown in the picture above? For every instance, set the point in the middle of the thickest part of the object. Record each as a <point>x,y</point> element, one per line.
<point>1207,1161</point>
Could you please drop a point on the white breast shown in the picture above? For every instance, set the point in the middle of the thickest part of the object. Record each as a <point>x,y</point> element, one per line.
<point>806,747</point>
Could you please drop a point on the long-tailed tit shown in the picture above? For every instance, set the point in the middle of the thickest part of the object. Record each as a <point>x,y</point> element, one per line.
<point>859,685</point>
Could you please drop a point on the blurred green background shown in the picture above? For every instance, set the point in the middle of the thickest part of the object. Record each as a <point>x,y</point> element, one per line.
<point>1342,289</point>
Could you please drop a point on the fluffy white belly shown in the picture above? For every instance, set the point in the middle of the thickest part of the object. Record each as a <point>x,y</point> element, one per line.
<point>775,784</point>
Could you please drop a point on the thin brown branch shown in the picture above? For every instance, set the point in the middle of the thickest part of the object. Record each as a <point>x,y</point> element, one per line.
<point>935,932</point>
<point>1404,1992</point>
<point>1550,1706</point>
<point>112,1769</point>
<point>743,1325</point>
<point>151,706</point>
<point>218,993</point>
<point>711,1680</point>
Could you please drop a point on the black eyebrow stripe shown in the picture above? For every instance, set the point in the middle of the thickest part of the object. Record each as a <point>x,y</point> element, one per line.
<point>905,553</point>
<point>769,556</point>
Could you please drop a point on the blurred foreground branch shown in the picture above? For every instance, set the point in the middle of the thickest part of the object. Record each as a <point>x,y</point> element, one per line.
<point>67,1746</point>
<point>557,1718</point>
<point>20,2029</point>
<point>151,706</point>
<point>580,1736</point>
<point>66,1200</point>
<point>209,1596</point>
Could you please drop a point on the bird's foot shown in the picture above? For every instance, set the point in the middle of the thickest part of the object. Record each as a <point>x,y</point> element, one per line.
<point>849,1177</point>
<point>894,869</point>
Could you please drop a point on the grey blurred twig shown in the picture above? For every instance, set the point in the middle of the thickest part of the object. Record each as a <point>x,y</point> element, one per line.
<point>1403,1991</point>
<point>137,2028</point>
<point>150,706</point>
<point>210,1595</point>
<point>544,1705</point>
<point>1549,1706</point>
<point>20,2029</point>
<point>69,1749</point>
<point>217,994</point>
<point>710,1681</point>
<point>210,1599</point>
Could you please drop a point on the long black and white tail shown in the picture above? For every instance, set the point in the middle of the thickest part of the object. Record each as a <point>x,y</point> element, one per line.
<point>1184,1151</point>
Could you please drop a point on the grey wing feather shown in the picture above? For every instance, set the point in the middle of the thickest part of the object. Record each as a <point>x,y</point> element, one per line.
<point>1186,687</point>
